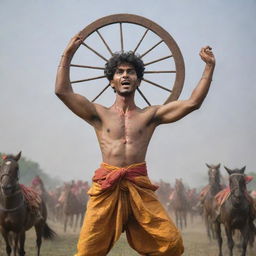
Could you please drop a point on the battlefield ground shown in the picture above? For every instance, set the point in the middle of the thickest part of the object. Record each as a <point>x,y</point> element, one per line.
<point>195,241</point>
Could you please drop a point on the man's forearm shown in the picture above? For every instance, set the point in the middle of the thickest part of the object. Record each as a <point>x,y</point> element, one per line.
<point>62,80</point>
<point>208,72</point>
<point>200,92</point>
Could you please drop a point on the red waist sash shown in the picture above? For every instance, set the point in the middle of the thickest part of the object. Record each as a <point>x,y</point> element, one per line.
<point>107,176</point>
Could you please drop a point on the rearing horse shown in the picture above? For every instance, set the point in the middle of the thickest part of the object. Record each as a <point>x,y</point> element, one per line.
<point>16,217</point>
<point>208,198</point>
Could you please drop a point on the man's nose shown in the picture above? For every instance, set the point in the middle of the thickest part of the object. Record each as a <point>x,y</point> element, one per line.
<point>125,74</point>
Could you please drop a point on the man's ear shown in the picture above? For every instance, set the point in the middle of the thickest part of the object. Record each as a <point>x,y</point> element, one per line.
<point>111,83</point>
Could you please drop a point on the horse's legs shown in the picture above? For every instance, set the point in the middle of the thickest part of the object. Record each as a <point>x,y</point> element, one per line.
<point>176,218</point>
<point>180,219</point>
<point>207,224</point>
<point>15,243</point>
<point>230,240</point>
<point>39,232</point>
<point>218,235</point>
<point>212,229</point>
<point>7,243</point>
<point>185,218</point>
<point>22,243</point>
<point>76,221</point>
<point>245,238</point>
<point>71,220</point>
<point>65,222</point>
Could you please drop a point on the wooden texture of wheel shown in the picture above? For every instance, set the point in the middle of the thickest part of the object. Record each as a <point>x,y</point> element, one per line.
<point>158,45</point>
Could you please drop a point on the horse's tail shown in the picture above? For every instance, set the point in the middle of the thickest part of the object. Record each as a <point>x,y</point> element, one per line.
<point>48,233</point>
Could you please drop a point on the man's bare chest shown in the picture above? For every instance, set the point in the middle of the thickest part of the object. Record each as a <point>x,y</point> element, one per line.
<point>126,125</point>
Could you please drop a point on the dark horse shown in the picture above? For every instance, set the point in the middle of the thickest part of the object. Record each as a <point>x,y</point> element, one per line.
<point>236,212</point>
<point>208,198</point>
<point>180,204</point>
<point>15,215</point>
<point>74,206</point>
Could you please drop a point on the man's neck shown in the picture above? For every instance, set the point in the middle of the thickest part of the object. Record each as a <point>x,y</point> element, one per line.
<point>124,103</point>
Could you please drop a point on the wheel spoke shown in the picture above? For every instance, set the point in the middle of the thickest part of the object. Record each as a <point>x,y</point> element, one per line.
<point>157,85</point>
<point>101,93</point>
<point>88,79</point>
<point>143,96</point>
<point>160,71</point>
<point>151,48</point>
<point>140,41</point>
<point>83,66</point>
<point>170,62</point>
<point>154,61</point>
<point>84,44</point>
<point>121,37</point>
<point>103,40</point>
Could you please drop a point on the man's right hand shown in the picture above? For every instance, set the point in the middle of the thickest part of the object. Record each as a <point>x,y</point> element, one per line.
<point>73,45</point>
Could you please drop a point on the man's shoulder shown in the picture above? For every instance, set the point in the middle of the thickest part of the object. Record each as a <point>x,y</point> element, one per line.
<point>149,109</point>
<point>100,107</point>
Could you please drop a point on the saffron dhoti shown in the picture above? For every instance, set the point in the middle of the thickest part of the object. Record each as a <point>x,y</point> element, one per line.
<point>123,199</point>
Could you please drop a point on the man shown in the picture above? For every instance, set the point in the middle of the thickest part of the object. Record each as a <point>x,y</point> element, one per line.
<point>121,197</point>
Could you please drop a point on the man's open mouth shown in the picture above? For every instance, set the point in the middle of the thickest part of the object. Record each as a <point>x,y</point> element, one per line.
<point>125,83</point>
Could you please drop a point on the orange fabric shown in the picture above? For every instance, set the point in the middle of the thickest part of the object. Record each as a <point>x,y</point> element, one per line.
<point>32,198</point>
<point>204,191</point>
<point>248,179</point>
<point>129,206</point>
<point>222,196</point>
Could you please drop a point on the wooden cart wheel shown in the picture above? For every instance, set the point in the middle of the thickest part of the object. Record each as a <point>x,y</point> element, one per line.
<point>156,42</point>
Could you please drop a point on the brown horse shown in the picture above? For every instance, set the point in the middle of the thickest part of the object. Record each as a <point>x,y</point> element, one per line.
<point>38,185</point>
<point>236,212</point>
<point>73,207</point>
<point>208,198</point>
<point>180,204</point>
<point>16,217</point>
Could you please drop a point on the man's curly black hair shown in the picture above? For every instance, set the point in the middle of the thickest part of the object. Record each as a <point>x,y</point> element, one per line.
<point>121,58</point>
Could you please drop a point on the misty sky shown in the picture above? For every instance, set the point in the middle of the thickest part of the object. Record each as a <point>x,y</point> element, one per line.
<point>33,37</point>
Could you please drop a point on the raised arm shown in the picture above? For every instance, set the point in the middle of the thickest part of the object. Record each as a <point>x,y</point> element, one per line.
<point>79,104</point>
<point>176,110</point>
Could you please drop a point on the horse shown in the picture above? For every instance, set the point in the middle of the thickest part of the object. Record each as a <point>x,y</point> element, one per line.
<point>236,212</point>
<point>38,185</point>
<point>73,207</point>
<point>193,202</point>
<point>179,204</point>
<point>16,214</point>
<point>208,198</point>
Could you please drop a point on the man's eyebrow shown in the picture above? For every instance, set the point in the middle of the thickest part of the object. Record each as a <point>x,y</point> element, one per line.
<point>129,69</point>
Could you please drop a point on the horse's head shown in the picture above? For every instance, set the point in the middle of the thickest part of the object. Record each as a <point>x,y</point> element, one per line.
<point>179,186</point>
<point>214,173</point>
<point>9,174</point>
<point>237,181</point>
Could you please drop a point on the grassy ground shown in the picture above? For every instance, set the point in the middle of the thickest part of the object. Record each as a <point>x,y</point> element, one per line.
<point>194,236</point>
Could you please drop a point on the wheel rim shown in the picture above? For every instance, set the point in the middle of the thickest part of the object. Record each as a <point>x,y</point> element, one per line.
<point>150,27</point>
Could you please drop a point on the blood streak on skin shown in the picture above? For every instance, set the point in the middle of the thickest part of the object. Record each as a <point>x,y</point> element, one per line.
<point>127,116</point>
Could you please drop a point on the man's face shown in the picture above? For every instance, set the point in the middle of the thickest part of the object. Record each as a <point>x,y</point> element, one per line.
<point>125,80</point>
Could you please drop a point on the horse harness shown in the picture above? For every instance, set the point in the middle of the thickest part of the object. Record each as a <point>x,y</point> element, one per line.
<point>15,188</point>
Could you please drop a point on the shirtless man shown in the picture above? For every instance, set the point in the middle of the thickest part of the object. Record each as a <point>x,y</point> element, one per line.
<point>124,131</point>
